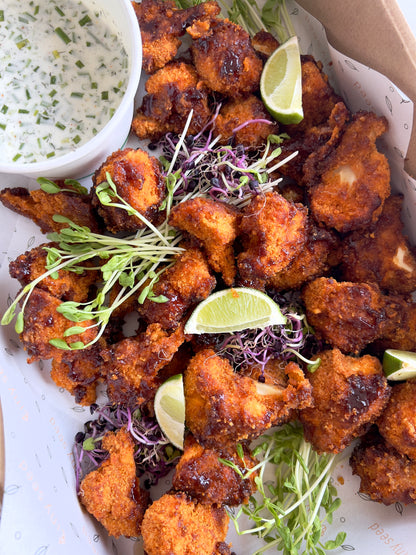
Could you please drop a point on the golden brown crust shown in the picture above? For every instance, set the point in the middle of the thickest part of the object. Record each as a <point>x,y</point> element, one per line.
<point>112,493</point>
<point>176,524</point>
<point>201,475</point>
<point>348,396</point>
<point>397,424</point>
<point>215,225</point>
<point>138,180</point>
<point>346,315</point>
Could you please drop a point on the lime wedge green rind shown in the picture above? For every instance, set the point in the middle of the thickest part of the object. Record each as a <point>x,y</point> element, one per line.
<point>281,83</point>
<point>169,407</point>
<point>399,365</point>
<point>232,310</point>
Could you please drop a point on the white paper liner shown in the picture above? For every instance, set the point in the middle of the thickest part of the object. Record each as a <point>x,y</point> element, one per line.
<point>41,514</point>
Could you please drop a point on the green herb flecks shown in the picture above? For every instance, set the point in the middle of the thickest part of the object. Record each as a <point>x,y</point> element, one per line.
<point>289,511</point>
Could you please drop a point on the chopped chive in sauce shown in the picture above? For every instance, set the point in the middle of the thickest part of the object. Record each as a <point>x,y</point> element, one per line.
<point>85,20</point>
<point>62,35</point>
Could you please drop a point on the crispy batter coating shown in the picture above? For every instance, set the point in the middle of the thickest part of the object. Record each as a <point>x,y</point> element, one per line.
<point>215,225</point>
<point>386,475</point>
<point>177,525</point>
<point>201,475</point>
<point>132,365</point>
<point>67,286</point>
<point>348,187</point>
<point>264,43</point>
<point>223,407</point>
<point>138,180</point>
<point>273,233</point>
<point>399,328</point>
<point>246,121</point>
<point>42,323</point>
<point>318,97</point>
<point>346,315</point>
<point>40,207</point>
<point>322,138</point>
<point>382,253</point>
<point>161,25</point>
<point>112,493</point>
<point>172,92</point>
<point>397,424</point>
<point>320,253</point>
<point>79,372</point>
<point>225,59</point>
<point>349,394</point>
<point>185,284</point>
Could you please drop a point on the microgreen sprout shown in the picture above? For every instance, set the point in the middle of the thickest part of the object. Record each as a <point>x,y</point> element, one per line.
<point>72,186</point>
<point>289,510</point>
<point>154,455</point>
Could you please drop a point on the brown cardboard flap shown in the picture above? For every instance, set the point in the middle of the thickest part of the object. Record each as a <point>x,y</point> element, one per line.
<point>375,33</point>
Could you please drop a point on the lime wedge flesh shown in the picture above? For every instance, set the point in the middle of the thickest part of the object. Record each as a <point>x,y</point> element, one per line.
<point>170,409</point>
<point>281,83</point>
<point>232,310</point>
<point>399,365</point>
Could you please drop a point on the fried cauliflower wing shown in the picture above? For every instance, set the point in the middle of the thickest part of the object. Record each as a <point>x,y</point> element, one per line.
<point>138,180</point>
<point>225,59</point>
<point>215,226</point>
<point>345,315</point>
<point>245,121</point>
<point>42,322</point>
<point>382,253</point>
<point>112,493</point>
<point>348,187</point>
<point>40,207</point>
<point>132,365</point>
<point>273,232</point>
<point>185,284</point>
<point>201,475</point>
<point>223,407</point>
<point>264,43</point>
<point>161,25</point>
<point>349,394</point>
<point>177,525</point>
<point>67,285</point>
<point>172,92</point>
<point>386,475</point>
<point>320,253</point>
<point>399,327</point>
<point>397,424</point>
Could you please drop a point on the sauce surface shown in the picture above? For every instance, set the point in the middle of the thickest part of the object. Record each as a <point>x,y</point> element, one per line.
<point>63,73</point>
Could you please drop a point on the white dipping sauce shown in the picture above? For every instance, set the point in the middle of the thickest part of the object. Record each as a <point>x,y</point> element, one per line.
<point>63,73</point>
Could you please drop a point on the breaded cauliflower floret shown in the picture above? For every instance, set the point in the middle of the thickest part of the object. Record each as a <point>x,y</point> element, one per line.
<point>399,328</point>
<point>386,475</point>
<point>177,525</point>
<point>172,92</point>
<point>349,394</point>
<point>132,365</point>
<point>225,59</point>
<point>201,475</point>
<point>382,253</point>
<point>397,424</point>
<point>349,185</point>
<point>319,254</point>
<point>41,207</point>
<point>264,43</point>
<point>42,322</point>
<point>138,181</point>
<point>346,315</point>
<point>67,286</point>
<point>273,233</point>
<point>215,225</point>
<point>112,493</point>
<point>239,120</point>
<point>223,407</point>
<point>185,284</point>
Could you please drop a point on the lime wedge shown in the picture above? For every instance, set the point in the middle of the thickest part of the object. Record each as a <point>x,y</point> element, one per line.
<point>170,409</point>
<point>399,365</point>
<point>281,83</point>
<point>233,310</point>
